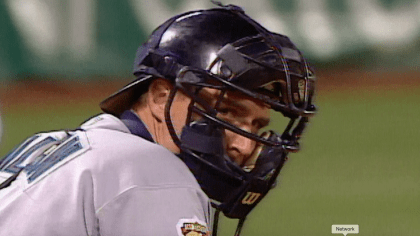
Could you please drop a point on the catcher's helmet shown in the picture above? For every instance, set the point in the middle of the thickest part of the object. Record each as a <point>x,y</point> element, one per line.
<point>224,49</point>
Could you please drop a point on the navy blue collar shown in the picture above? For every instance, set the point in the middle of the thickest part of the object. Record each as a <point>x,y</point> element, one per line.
<point>135,125</point>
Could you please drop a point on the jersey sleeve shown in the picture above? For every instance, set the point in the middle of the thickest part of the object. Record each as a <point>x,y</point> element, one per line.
<point>160,210</point>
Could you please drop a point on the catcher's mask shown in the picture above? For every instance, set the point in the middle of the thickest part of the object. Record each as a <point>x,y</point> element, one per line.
<point>224,49</point>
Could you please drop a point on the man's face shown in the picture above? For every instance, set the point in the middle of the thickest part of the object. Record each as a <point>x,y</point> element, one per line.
<point>237,109</point>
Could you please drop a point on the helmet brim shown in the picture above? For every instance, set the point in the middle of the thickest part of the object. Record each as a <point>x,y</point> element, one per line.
<point>126,97</point>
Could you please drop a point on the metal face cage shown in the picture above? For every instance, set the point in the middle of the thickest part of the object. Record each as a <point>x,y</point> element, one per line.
<point>237,72</point>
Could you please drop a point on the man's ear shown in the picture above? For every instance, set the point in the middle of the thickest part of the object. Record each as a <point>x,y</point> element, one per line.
<point>158,95</point>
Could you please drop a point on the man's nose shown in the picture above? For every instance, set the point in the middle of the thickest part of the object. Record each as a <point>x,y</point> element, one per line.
<point>240,148</point>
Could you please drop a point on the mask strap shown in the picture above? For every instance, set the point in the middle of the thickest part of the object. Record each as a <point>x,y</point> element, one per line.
<point>216,224</point>
<point>168,119</point>
<point>215,221</point>
<point>239,227</point>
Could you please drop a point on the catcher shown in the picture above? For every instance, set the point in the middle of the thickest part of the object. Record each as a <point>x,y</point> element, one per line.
<point>184,141</point>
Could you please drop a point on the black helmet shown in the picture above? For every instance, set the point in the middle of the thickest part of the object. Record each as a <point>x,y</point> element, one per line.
<point>223,48</point>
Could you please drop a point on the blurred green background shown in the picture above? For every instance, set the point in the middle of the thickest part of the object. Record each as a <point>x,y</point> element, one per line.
<point>359,162</point>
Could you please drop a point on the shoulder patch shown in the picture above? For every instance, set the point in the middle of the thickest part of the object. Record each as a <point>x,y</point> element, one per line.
<point>192,227</point>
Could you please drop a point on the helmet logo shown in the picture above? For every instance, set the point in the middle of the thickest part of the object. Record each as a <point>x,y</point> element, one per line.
<point>250,198</point>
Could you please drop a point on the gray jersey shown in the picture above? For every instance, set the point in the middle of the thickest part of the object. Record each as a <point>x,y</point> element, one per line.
<point>99,180</point>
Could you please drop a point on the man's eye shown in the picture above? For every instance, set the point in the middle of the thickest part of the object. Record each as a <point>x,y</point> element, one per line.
<point>227,114</point>
<point>228,111</point>
<point>223,111</point>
